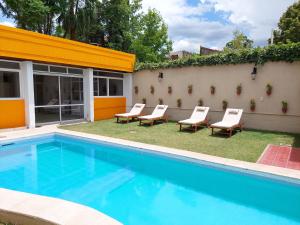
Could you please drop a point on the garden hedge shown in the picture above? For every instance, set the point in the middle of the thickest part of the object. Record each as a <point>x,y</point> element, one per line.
<point>284,52</point>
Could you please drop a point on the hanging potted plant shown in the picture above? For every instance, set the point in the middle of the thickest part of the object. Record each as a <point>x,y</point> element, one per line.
<point>136,90</point>
<point>179,103</point>
<point>239,89</point>
<point>190,89</point>
<point>252,105</point>
<point>144,100</point>
<point>284,106</point>
<point>200,102</point>
<point>160,101</point>
<point>224,104</point>
<point>151,89</point>
<point>169,90</point>
<point>269,89</point>
<point>212,89</point>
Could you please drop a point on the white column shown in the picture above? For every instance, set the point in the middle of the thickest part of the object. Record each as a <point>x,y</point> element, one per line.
<point>88,92</point>
<point>127,90</point>
<point>27,90</point>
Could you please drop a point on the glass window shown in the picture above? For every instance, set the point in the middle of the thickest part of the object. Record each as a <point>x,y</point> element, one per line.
<point>71,89</point>
<point>71,112</point>
<point>57,69</point>
<point>9,84</point>
<point>115,87</point>
<point>46,90</point>
<point>39,67</point>
<point>96,87</point>
<point>75,71</point>
<point>9,65</point>
<point>47,114</point>
<point>100,86</point>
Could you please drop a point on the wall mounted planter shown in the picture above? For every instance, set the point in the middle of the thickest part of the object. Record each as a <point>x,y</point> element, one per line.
<point>239,89</point>
<point>169,90</point>
<point>190,89</point>
<point>252,105</point>
<point>136,90</point>
<point>200,102</point>
<point>284,107</point>
<point>151,89</point>
<point>212,90</point>
<point>269,89</point>
<point>179,103</point>
<point>224,104</point>
<point>160,101</point>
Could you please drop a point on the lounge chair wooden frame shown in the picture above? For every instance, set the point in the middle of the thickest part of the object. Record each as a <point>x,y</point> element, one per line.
<point>194,126</point>
<point>228,130</point>
<point>152,120</point>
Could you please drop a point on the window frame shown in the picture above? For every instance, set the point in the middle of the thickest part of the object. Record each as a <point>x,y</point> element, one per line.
<point>20,83</point>
<point>107,85</point>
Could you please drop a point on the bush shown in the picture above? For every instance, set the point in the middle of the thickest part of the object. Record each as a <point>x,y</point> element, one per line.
<point>284,52</point>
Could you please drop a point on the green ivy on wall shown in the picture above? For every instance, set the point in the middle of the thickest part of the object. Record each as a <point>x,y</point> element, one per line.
<point>284,52</point>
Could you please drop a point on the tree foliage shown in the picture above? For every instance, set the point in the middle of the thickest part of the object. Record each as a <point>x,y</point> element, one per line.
<point>152,43</point>
<point>117,24</point>
<point>284,52</point>
<point>239,41</point>
<point>289,25</point>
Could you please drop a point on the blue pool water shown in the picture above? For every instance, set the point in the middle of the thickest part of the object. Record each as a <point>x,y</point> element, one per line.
<point>141,188</point>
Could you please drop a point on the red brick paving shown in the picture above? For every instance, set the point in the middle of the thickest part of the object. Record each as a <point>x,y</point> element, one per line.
<point>281,156</point>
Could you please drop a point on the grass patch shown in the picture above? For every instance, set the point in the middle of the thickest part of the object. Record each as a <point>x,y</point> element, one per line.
<point>247,145</point>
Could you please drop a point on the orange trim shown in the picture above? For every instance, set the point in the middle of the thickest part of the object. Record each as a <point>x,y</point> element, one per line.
<point>12,113</point>
<point>106,108</point>
<point>22,44</point>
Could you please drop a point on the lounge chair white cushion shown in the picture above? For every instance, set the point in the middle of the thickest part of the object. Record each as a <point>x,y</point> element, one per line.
<point>135,111</point>
<point>230,119</point>
<point>158,112</point>
<point>199,115</point>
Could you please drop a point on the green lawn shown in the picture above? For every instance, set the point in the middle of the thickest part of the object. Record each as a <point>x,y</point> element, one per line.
<point>247,145</point>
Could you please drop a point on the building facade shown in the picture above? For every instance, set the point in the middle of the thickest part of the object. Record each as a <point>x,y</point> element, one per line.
<point>45,79</point>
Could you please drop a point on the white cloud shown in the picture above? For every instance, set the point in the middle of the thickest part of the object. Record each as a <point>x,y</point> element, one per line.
<point>7,23</point>
<point>188,30</point>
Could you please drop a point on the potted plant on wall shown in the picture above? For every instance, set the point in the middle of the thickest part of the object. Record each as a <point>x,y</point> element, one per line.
<point>252,105</point>
<point>269,89</point>
<point>151,89</point>
<point>136,90</point>
<point>179,103</point>
<point>224,104</point>
<point>190,89</point>
<point>169,90</point>
<point>212,89</point>
<point>160,101</point>
<point>200,102</point>
<point>239,89</point>
<point>284,107</point>
<point>144,100</point>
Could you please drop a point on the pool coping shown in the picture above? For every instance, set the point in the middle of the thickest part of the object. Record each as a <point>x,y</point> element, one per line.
<point>33,209</point>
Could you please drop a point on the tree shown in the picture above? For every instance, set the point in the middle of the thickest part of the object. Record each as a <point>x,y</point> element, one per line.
<point>288,26</point>
<point>152,43</point>
<point>28,14</point>
<point>240,41</point>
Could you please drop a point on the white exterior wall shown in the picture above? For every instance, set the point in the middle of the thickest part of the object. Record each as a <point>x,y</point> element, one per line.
<point>27,92</point>
<point>88,94</point>
<point>127,90</point>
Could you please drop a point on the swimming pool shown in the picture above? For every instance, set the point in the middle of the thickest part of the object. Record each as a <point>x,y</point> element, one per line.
<point>138,187</point>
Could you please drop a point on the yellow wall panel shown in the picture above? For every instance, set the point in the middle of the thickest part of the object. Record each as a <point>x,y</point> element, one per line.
<point>106,108</point>
<point>12,113</point>
<point>22,44</point>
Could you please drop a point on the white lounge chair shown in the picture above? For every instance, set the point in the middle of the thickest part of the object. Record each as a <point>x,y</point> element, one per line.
<point>198,117</point>
<point>230,121</point>
<point>134,112</point>
<point>157,114</point>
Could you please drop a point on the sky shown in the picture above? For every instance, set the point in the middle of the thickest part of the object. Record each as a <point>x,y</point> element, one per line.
<point>210,23</point>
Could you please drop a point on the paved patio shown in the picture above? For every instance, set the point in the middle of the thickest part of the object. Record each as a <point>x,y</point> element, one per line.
<point>281,156</point>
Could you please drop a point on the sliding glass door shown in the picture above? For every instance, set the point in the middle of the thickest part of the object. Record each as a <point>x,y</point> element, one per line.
<point>58,98</point>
